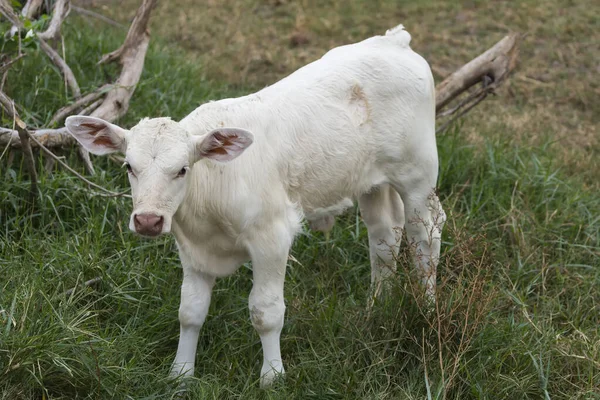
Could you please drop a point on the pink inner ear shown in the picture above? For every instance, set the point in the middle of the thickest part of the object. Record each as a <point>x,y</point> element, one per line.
<point>222,143</point>
<point>100,139</point>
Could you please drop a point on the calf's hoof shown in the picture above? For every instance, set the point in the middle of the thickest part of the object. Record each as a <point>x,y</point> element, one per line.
<point>270,374</point>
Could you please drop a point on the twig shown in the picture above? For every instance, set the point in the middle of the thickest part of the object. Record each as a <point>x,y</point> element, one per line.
<point>466,100</point>
<point>62,66</point>
<point>91,107</point>
<point>101,17</point>
<point>5,66</point>
<point>85,157</point>
<point>77,174</point>
<point>9,106</point>
<point>91,282</point>
<point>463,112</point>
<point>64,112</point>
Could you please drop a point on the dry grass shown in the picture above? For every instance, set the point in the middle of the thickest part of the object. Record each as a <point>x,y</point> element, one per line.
<point>553,94</point>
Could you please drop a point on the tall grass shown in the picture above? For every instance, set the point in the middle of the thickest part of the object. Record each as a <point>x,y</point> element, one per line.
<point>518,313</point>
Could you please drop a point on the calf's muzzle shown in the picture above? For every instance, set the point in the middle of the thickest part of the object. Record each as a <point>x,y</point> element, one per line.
<point>148,224</point>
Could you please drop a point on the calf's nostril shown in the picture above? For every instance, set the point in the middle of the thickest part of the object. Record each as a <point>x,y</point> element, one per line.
<point>159,222</point>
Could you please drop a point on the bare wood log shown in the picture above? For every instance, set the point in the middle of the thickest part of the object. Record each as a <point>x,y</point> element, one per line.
<point>496,63</point>
<point>60,12</point>
<point>131,55</point>
<point>9,106</point>
<point>48,137</point>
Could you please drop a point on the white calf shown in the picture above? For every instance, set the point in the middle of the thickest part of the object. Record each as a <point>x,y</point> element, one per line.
<point>233,179</point>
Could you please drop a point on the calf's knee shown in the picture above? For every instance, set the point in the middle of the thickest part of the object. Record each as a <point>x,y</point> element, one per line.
<point>266,311</point>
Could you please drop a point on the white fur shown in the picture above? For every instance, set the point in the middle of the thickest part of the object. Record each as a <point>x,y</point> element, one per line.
<point>356,124</point>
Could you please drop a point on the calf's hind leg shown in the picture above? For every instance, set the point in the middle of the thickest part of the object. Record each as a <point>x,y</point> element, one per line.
<point>424,222</point>
<point>383,213</point>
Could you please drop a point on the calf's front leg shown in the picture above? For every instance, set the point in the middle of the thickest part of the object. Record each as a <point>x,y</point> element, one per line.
<point>196,291</point>
<point>267,308</point>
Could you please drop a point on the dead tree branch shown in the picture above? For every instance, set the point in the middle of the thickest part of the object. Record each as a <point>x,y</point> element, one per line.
<point>61,10</point>
<point>31,8</point>
<point>71,170</point>
<point>131,56</point>
<point>9,107</point>
<point>6,65</point>
<point>71,109</point>
<point>48,137</point>
<point>56,59</point>
<point>496,63</point>
<point>7,11</point>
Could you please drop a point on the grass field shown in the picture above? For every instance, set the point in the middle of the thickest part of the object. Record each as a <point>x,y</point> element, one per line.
<point>518,313</point>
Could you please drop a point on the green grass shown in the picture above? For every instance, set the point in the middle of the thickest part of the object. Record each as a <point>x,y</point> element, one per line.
<point>518,314</point>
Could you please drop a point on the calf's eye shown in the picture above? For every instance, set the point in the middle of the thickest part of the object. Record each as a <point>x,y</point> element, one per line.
<point>182,172</point>
<point>129,169</point>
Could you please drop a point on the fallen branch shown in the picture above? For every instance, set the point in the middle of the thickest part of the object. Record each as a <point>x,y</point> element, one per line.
<point>60,12</point>
<point>48,137</point>
<point>496,63</point>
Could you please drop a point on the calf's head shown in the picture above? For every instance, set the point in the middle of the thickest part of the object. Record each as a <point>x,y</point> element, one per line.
<point>159,153</point>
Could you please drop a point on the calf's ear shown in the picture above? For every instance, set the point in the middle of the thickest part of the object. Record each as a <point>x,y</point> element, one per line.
<point>96,135</point>
<point>222,144</point>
